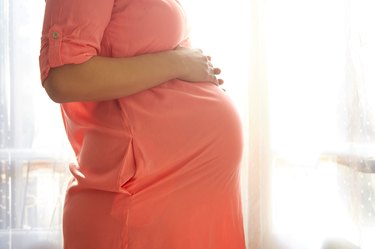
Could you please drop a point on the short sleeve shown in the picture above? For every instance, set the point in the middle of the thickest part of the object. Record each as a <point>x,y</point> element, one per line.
<point>72,31</point>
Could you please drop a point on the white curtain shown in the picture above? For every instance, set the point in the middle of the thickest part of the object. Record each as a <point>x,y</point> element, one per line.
<point>312,126</point>
<point>33,148</point>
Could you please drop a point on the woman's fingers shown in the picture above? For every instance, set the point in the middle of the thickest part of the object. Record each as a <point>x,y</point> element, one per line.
<point>216,71</point>
<point>199,66</point>
<point>212,72</point>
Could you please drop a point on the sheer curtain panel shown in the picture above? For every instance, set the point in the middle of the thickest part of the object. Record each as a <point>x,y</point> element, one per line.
<point>312,144</point>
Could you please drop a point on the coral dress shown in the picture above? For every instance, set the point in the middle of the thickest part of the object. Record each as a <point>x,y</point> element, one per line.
<point>158,169</point>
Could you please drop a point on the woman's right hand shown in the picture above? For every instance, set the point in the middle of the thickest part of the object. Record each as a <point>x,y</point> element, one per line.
<point>197,67</point>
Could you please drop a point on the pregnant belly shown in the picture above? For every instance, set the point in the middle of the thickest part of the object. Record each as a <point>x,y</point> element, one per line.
<point>178,124</point>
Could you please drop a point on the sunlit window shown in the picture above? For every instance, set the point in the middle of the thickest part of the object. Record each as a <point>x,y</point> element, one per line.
<point>320,59</point>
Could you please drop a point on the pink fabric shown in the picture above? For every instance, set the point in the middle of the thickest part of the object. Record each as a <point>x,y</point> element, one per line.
<point>158,169</point>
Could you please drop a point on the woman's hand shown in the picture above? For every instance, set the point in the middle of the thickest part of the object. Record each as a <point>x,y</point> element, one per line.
<point>197,67</point>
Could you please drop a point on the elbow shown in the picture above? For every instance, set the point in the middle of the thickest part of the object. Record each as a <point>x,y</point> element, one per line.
<point>55,88</point>
<point>54,91</point>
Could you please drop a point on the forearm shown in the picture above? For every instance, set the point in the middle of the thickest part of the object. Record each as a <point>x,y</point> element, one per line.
<point>104,78</point>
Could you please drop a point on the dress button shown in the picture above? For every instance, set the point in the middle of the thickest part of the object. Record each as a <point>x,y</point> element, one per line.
<point>55,35</point>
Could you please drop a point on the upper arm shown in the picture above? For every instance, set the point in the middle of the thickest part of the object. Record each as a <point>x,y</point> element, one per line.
<point>72,32</point>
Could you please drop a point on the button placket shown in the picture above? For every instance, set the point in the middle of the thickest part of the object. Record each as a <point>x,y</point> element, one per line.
<point>55,38</point>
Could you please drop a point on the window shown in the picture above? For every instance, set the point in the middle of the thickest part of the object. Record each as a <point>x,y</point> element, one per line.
<point>32,162</point>
<point>318,56</point>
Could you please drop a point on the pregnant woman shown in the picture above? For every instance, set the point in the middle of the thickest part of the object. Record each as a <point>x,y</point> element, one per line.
<point>158,143</point>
